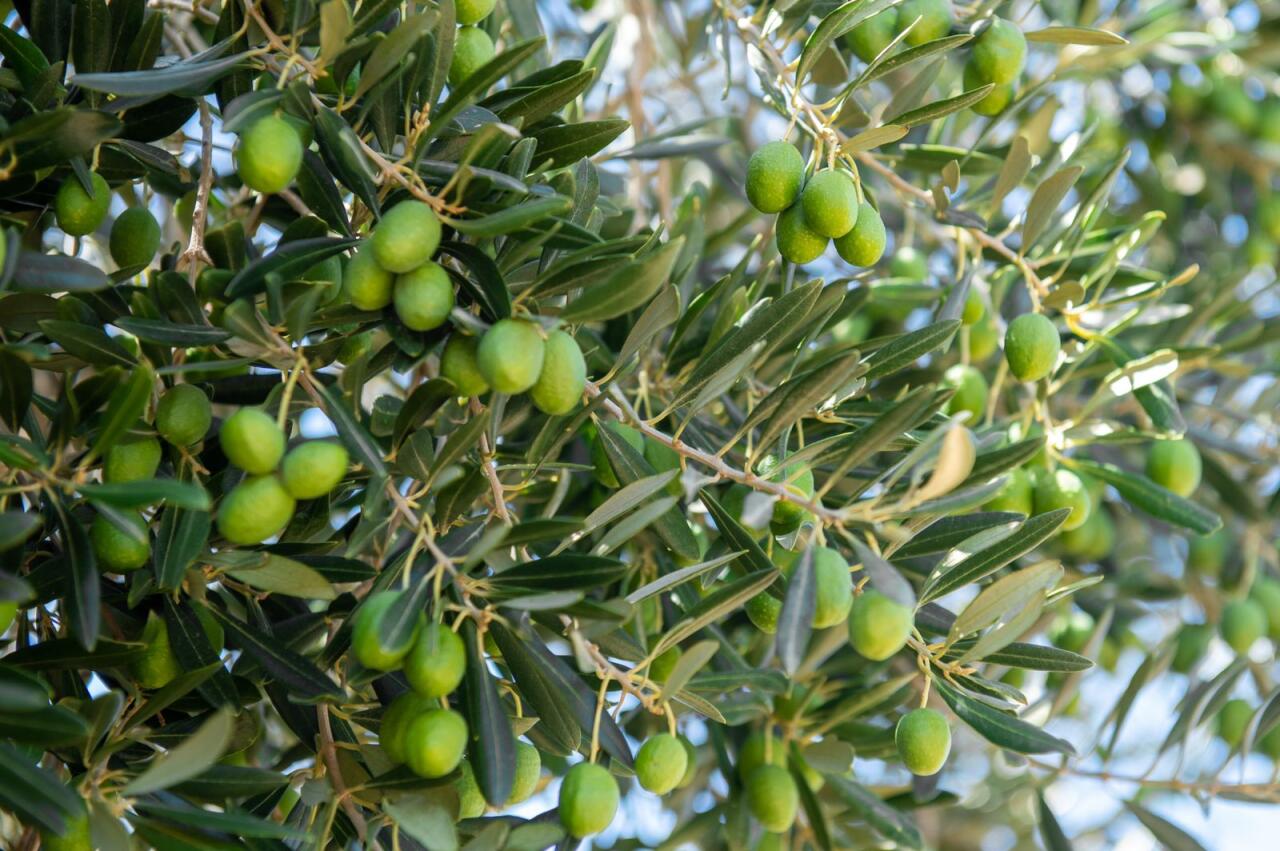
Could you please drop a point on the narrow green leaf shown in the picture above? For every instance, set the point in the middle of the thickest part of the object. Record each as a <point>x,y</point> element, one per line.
<point>1150,497</point>
<point>187,760</point>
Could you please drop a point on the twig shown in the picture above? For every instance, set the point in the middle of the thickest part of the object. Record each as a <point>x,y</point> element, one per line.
<point>330,756</point>
<point>620,409</point>
<point>195,253</point>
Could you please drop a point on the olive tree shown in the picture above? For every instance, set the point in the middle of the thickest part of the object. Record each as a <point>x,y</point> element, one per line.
<point>488,425</point>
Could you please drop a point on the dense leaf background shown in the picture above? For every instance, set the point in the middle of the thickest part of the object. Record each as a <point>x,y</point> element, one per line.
<point>600,565</point>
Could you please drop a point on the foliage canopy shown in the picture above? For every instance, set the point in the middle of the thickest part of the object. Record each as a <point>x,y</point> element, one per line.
<point>399,449</point>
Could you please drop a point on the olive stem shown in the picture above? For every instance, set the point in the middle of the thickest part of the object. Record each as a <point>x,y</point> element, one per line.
<point>329,753</point>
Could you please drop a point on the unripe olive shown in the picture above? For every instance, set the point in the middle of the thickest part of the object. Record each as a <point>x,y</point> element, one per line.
<point>314,468</point>
<point>1266,593</point>
<point>759,749</point>
<point>971,390</point>
<point>664,663</point>
<point>934,23</point>
<point>528,772</point>
<point>269,155</point>
<point>369,647</point>
<point>999,52</point>
<point>834,590</point>
<point>661,763</point>
<point>909,262</point>
<point>600,458</point>
<point>984,339</point>
<point>252,441</point>
<point>423,297</point>
<point>1063,489</point>
<point>471,802</point>
<point>1093,540</point>
<point>368,286</point>
<point>118,551</point>
<point>473,11</point>
<point>472,50</point>
<point>787,516</point>
<point>588,799</point>
<point>510,355</point>
<point>869,39</point>
<point>797,242</point>
<point>864,245</point>
<point>924,741</point>
<point>1031,346</point>
<point>405,237</point>
<point>459,364</point>
<point>8,613</point>
<point>1269,744</point>
<point>76,211</point>
<point>135,238</point>
<point>763,610</point>
<point>830,202</point>
<point>1190,646</point>
<point>1175,465</point>
<point>132,461</point>
<point>436,663</point>
<point>878,626</point>
<point>1206,554</point>
<point>157,665</point>
<point>76,836</point>
<point>563,376</point>
<point>1071,631</point>
<point>183,415</point>
<point>396,720</point>
<point>434,742</point>
<point>996,100</point>
<point>974,309</point>
<point>1232,720</point>
<point>1243,623</point>
<point>772,798</point>
<point>775,174</point>
<point>256,509</point>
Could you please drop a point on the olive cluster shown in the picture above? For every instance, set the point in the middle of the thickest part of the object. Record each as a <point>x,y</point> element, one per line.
<point>472,46</point>
<point>262,504</point>
<point>813,212</point>
<point>997,56</point>
<point>135,233</point>
<point>418,728</point>
<point>182,418</point>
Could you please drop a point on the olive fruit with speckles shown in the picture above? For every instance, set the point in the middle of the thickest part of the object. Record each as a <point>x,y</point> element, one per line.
<point>924,741</point>
<point>256,509</point>
<point>434,742</point>
<point>1031,346</point>
<point>252,441</point>
<point>1175,465</point>
<point>588,799</point>
<point>563,376</point>
<point>660,763</point>
<point>775,174</point>
<point>269,155</point>
<point>79,212</point>
<point>459,363</point>
<point>314,468</point>
<point>436,663</point>
<point>405,237</point>
<point>797,242</point>
<point>878,626</point>
<point>120,550</point>
<point>772,797</point>
<point>371,642</point>
<point>510,355</point>
<point>183,415</point>
<point>423,297</point>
